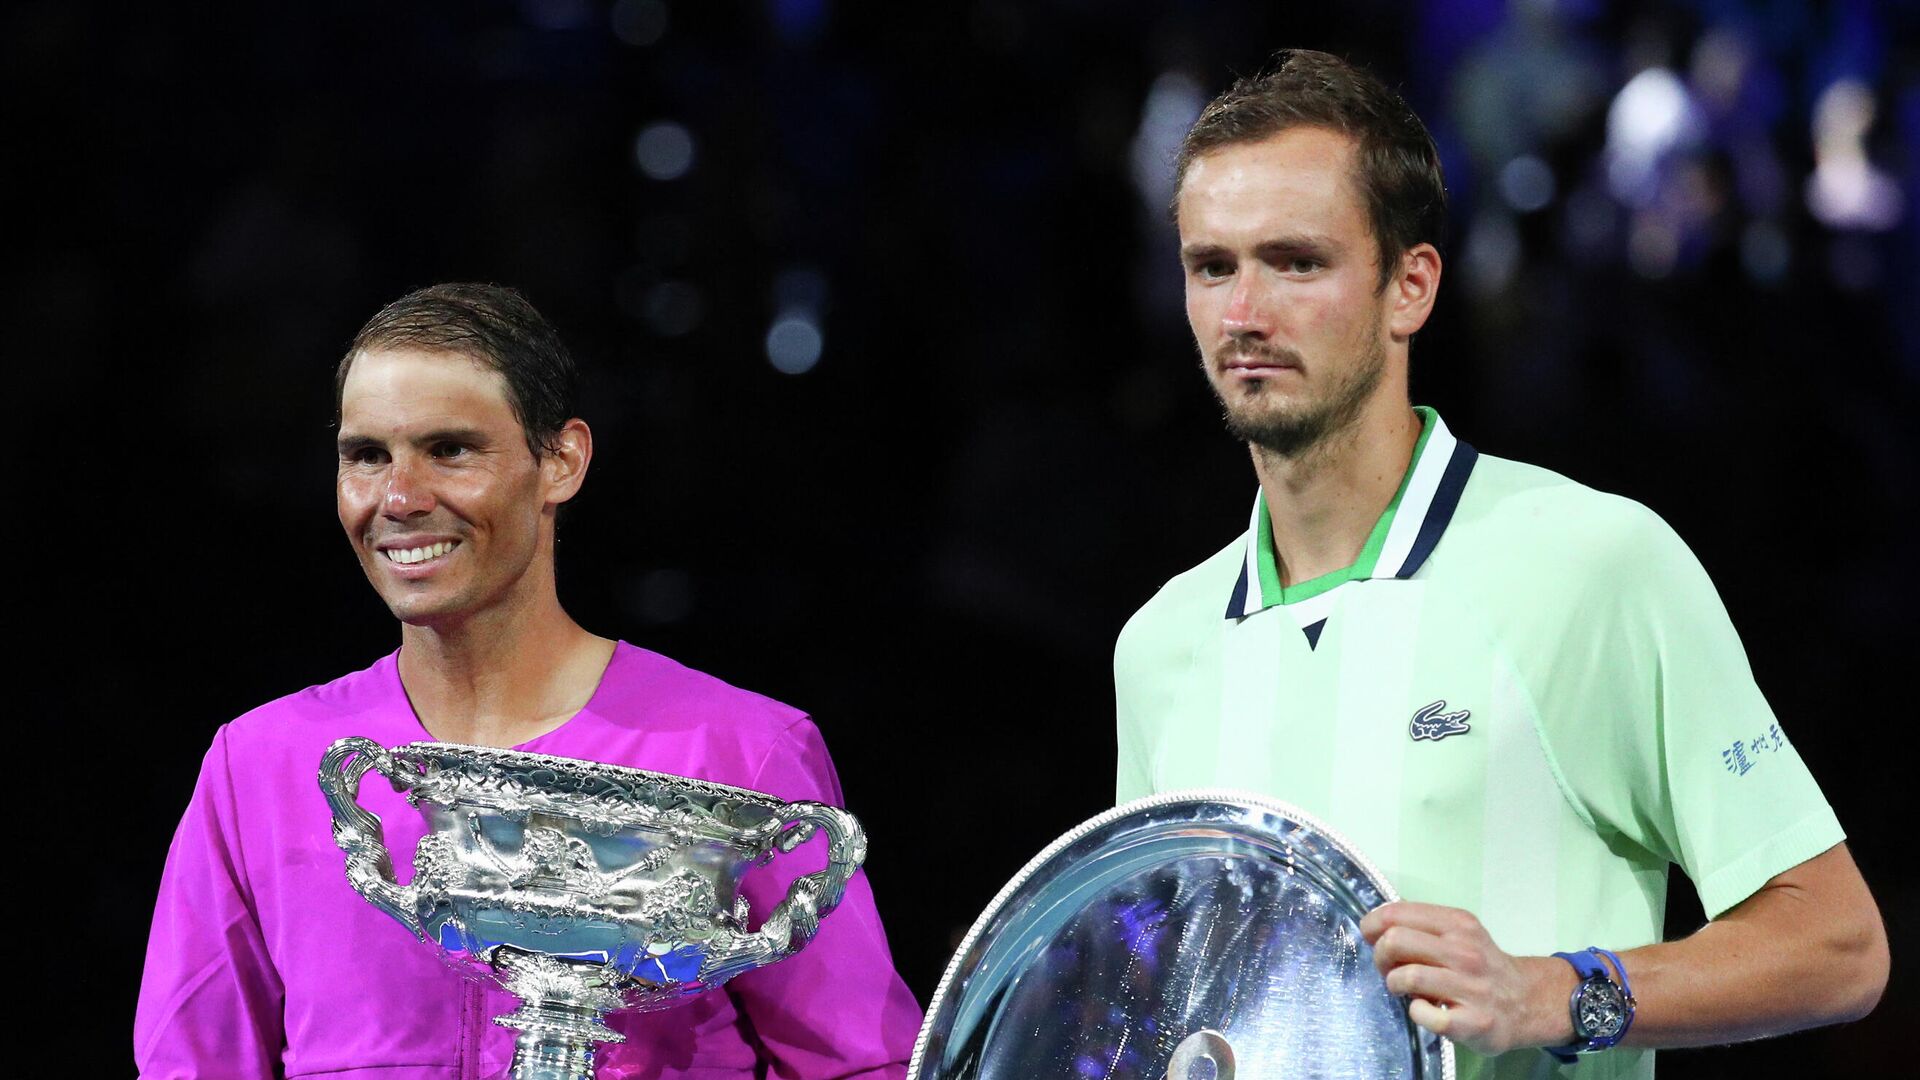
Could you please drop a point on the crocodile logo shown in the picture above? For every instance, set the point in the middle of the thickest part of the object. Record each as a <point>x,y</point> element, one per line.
<point>1435,722</point>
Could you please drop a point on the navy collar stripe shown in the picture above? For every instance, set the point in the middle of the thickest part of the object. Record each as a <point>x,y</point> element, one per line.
<point>1445,500</point>
<point>1237,607</point>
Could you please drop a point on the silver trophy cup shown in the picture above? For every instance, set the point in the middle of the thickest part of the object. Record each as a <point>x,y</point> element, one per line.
<point>580,887</point>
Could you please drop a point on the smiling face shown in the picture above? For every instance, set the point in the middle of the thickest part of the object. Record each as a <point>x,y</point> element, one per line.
<point>448,509</point>
<point>1282,286</point>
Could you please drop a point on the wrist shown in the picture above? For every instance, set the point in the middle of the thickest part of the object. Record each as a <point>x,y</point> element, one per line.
<point>1550,982</point>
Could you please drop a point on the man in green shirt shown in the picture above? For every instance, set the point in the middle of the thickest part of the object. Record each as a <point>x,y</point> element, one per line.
<point>1522,698</point>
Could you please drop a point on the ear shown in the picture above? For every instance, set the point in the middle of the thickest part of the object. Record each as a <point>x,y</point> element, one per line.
<point>564,468</point>
<point>1411,293</point>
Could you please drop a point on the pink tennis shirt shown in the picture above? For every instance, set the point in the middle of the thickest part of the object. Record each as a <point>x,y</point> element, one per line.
<point>264,962</point>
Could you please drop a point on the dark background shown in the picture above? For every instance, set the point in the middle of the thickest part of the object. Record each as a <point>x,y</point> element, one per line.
<point>930,537</point>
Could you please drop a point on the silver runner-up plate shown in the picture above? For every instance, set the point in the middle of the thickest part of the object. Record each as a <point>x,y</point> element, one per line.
<point>1199,935</point>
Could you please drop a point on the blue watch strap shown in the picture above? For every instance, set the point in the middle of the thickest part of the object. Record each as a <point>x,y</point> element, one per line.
<point>1620,975</point>
<point>1588,963</point>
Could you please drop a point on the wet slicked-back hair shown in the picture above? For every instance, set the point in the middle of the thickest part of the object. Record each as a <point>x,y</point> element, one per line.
<point>492,325</point>
<point>1396,166</point>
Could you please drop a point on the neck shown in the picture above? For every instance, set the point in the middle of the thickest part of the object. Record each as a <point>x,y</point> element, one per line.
<point>501,678</point>
<point>1325,500</point>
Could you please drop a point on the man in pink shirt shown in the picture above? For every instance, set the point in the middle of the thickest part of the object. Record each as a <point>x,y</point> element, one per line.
<point>458,444</point>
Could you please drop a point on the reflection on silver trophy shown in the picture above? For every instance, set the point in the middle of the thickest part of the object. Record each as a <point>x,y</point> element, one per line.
<point>580,887</point>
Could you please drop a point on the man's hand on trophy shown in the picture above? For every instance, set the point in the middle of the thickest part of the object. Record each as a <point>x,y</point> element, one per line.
<point>1463,986</point>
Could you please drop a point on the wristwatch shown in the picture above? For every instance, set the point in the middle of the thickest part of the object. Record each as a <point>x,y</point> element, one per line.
<point>1602,1009</point>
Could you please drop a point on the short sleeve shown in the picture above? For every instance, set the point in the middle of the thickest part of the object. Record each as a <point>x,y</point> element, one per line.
<point>210,998</point>
<point>1662,734</point>
<point>837,1008</point>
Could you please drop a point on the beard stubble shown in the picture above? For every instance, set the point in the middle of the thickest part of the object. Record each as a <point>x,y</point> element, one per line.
<point>1293,431</point>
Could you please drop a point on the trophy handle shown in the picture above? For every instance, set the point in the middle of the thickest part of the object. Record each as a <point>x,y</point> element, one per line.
<point>358,832</point>
<point>811,897</point>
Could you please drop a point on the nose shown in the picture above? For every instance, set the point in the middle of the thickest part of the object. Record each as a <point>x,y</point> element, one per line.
<point>1246,314</point>
<point>408,494</point>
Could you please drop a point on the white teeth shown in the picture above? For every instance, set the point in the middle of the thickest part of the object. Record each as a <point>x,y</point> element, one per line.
<point>409,556</point>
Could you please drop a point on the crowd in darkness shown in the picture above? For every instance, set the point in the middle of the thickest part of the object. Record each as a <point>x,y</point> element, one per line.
<point>897,414</point>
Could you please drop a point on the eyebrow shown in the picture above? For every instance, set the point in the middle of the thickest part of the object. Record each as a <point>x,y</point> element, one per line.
<point>1268,248</point>
<point>350,444</point>
<point>1297,242</point>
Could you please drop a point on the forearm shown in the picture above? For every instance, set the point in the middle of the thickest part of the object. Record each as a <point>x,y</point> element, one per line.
<point>1806,950</point>
<point>1787,958</point>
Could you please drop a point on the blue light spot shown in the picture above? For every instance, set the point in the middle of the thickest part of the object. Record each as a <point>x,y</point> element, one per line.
<point>799,22</point>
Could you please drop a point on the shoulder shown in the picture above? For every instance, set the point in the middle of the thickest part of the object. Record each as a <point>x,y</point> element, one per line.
<point>256,759</point>
<point>1559,571</point>
<point>666,716</point>
<point>1190,603</point>
<point>681,719</point>
<point>641,684</point>
<point>1524,522</point>
<point>368,697</point>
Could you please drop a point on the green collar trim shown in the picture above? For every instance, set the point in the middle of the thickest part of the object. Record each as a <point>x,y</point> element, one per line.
<point>1272,592</point>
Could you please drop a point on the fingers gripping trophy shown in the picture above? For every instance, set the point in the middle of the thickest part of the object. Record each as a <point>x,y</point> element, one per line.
<point>582,888</point>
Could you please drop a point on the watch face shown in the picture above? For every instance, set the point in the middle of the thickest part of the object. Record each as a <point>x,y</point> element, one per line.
<point>1602,1011</point>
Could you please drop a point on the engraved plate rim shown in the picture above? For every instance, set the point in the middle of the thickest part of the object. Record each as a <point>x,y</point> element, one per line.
<point>1227,798</point>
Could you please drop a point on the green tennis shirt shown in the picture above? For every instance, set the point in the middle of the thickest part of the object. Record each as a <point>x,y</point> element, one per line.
<point>1524,699</point>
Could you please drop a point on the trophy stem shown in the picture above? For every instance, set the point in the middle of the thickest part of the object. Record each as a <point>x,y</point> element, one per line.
<point>544,1054</point>
<point>561,1014</point>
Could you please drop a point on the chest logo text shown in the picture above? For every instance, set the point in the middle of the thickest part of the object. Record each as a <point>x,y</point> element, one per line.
<point>1435,722</point>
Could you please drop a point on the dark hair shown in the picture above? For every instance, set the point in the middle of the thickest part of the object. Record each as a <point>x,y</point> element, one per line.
<point>493,325</point>
<point>1396,166</point>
